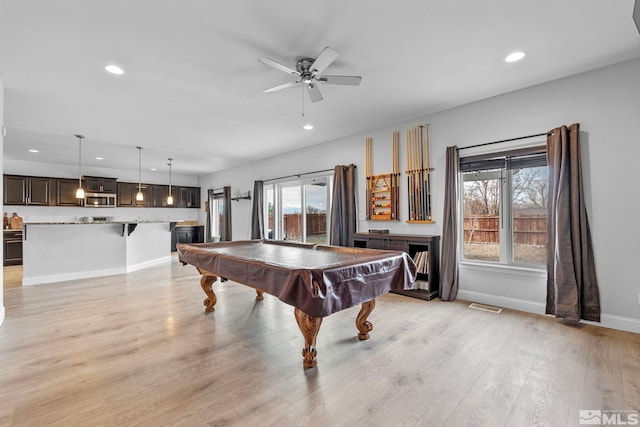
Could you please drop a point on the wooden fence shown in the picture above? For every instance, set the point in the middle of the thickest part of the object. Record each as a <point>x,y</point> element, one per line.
<point>527,230</point>
<point>292,224</point>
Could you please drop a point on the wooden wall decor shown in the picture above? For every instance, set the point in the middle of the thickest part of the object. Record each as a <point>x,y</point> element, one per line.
<point>383,190</point>
<point>418,169</point>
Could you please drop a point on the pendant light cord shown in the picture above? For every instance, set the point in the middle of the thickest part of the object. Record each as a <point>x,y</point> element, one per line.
<point>139,168</point>
<point>170,196</point>
<point>170,160</point>
<point>80,137</point>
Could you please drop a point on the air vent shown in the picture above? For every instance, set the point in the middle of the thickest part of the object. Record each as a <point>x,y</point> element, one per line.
<point>485,308</point>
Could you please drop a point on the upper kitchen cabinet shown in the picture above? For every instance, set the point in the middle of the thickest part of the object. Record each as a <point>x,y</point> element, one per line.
<point>66,193</point>
<point>189,197</point>
<point>160,194</point>
<point>26,190</point>
<point>127,192</point>
<point>95,184</point>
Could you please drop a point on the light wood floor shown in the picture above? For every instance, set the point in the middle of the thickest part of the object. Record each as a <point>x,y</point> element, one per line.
<point>138,350</point>
<point>12,276</point>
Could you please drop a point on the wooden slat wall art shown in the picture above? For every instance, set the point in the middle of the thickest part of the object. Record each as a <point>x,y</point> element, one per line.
<point>418,169</point>
<point>383,190</point>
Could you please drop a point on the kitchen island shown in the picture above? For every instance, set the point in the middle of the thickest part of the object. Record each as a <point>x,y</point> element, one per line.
<point>70,250</point>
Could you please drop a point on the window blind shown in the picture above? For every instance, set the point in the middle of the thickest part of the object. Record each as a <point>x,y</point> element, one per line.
<point>511,159</point>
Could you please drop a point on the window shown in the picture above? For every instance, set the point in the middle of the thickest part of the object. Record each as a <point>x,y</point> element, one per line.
<point>298,210</point>
<point>504,213</point>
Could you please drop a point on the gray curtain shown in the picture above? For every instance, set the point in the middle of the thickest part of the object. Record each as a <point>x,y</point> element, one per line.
<point>257,211</point>
<point>225,226</point>
<point>572,287</point>
<point>449,258</point>
<point>343,205</point>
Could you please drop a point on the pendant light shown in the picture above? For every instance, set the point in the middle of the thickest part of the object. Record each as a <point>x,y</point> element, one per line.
<point>170,197</point>
<point>80,191</point>
<point>139,196</point>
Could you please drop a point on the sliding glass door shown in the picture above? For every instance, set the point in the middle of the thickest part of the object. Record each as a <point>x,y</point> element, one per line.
<point>298,211</point>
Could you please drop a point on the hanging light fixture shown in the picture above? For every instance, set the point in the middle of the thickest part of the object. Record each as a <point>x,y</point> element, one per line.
<point>139,196</point>
<point>170,197</point>
<point>80,191</point>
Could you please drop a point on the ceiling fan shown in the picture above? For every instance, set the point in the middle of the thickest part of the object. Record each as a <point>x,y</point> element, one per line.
<point>309,71</point>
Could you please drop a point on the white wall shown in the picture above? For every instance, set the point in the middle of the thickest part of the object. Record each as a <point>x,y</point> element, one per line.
<point>606,103</point>
<point>1,190</point>
<point>61,213</point>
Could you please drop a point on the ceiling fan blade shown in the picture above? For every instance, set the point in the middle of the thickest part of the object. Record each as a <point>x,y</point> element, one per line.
<point>326,57</point>
<point>278,66</point>
<point>341,80</point>
<point>280,87</point>
<point>314,92</point>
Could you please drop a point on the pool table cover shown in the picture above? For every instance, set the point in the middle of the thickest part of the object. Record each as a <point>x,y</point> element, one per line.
<point>317,279</point>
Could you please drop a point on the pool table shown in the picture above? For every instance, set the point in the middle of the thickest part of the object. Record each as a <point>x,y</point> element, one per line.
<point>317,280</point>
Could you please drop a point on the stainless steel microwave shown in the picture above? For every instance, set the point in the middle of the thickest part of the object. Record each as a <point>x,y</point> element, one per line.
<point>99,200</point>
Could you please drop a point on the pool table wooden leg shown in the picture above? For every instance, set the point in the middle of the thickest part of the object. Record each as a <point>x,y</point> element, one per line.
<point>309,326</point>
<point>259,296</point>
<point>363,325</point>
<point>206,281</point>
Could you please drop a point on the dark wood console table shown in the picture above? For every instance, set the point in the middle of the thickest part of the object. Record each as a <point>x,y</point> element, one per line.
<point>411,244</point>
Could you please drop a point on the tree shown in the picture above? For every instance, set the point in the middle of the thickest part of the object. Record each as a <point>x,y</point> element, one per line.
<point>482,197</point>
<point>530,188</point>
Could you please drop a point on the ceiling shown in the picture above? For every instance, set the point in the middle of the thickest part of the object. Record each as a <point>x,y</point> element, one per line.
<point>192,88</point>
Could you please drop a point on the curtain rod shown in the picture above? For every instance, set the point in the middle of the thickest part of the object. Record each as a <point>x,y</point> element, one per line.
<point>504,140</point>
<point>298,175</point>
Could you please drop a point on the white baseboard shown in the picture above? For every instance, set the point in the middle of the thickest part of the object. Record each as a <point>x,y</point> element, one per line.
<point>500,301</point>
<point>151,263</point>
<point>53,278</point>
<point>606,320</point>
<point>617,322</point>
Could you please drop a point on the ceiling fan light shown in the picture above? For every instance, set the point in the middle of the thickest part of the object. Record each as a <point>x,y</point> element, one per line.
<point>170,200</point>
<point>139,196</point>
<point>514,57</point>
<point>80,193</point>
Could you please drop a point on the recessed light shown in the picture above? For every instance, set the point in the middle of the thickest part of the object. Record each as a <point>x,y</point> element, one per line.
<point>114,69</point>
<point>307,127</point>
<point>99,158</point>
<point>34,151</point>
<point>515,56</point>
<point>154,169</point>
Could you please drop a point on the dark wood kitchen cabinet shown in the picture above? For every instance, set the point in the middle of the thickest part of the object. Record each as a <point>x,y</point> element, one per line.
<point>160,194</point>
<point>95,184</point>
<point>187,234</point>
<point>26,190</point>
<point>12,243</point>
<point>46,191</point>
<point>127,192</point>
<point>189,197</point>
<point>125,195</point>
<point>425,251</point>
<point>66,193</point>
